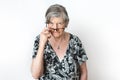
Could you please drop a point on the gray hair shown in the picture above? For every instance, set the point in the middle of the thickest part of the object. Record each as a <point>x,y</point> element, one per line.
<point>56,11</point>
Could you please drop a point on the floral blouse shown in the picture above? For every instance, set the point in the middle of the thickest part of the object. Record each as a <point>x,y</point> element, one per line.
<point>69,67</point>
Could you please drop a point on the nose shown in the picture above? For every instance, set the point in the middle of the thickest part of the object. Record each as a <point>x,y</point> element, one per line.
<point>55,26</point>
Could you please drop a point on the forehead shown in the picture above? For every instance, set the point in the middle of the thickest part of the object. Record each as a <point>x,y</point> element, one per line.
<point>56,19</point>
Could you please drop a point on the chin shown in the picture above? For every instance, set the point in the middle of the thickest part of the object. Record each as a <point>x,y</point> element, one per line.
<point>56,35</point>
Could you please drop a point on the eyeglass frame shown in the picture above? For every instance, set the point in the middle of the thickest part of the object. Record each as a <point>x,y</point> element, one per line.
<point>58,24</point>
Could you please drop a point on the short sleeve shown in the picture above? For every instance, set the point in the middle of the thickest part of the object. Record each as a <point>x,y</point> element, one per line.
<point>81,54</point>
<point>35,46</point>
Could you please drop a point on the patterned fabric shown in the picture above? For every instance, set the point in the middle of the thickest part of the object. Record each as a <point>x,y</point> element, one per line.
<point>69,67</point>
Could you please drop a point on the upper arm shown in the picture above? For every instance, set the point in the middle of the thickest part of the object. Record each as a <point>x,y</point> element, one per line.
<point>83,67</point>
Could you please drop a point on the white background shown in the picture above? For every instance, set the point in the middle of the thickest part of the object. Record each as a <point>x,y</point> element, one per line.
<point>96,22</point>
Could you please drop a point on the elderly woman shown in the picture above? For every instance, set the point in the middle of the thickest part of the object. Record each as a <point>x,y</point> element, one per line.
<point>58,55</point>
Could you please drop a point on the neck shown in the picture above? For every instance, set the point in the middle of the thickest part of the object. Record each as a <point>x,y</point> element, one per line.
<point>56,42</point>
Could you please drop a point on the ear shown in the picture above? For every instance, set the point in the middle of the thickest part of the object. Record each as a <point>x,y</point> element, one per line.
<point>66,24</point>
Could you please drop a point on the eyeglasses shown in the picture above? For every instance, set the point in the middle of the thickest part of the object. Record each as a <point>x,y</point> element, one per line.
<point>59,26</point>
<point>57,29</point>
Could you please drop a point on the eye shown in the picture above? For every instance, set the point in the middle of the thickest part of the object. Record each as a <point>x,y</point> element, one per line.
<point>59,23</point>
<point>50,23</point>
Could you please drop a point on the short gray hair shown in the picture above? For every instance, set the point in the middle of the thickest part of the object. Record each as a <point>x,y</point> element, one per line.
<point>56,10</point>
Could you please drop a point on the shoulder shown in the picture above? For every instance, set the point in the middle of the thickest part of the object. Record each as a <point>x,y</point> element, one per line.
<point>36,40</point>
<point>37,37</point>
<point>74,37</point>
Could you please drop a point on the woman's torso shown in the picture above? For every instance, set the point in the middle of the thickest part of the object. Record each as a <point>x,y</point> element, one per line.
<point>67,68</point>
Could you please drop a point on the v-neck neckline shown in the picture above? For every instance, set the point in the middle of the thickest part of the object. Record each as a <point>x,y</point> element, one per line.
<point>53,51</point>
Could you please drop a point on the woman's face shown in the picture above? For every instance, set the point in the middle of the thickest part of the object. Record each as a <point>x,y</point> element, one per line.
<point>56,26</point>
